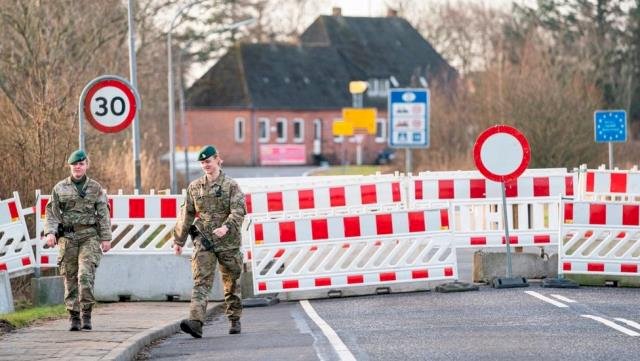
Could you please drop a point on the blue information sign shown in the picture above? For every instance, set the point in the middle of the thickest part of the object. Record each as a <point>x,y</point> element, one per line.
<point>408,118</point>
<point>610,126</point>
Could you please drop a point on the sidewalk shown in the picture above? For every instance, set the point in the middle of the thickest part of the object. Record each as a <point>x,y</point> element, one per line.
<point>120,331</point>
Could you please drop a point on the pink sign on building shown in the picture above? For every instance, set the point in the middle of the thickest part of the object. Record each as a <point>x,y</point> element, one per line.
<point>282,154</point>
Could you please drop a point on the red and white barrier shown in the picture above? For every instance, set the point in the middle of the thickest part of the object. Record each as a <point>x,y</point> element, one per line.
<point>141,224</point>
<point>446,186</point>
<point>349,226</point>
<point>532,222</point>
<point>356,250</point>
<point>602,184</point>
<point>476,218</point>
<point>379,193</point>
<point>16,254</point>
<point>600,238</point>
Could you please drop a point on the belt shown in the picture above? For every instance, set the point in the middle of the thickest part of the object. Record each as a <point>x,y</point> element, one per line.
<point>77,227</point>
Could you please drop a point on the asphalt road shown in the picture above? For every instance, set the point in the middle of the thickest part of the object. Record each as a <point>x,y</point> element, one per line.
<point>490,324</point>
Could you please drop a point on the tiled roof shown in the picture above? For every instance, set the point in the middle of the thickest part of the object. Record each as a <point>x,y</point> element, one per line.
<point>315,74</point>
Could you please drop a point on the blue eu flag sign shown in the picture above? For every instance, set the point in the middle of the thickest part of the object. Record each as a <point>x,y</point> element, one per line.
<point>610,126</point>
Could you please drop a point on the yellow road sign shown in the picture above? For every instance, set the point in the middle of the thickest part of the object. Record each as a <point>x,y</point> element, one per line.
<point>361,118</point>
<point>342,128</point>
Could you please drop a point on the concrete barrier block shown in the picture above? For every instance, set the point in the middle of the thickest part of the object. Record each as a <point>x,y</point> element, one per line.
<point>148,278</point>
<point>6,297</point>
<point>487,266</point>
<point>47,291</point>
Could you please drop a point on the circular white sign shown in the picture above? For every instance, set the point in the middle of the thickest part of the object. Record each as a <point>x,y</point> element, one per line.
<point>501,153</point>
<point>110,104</point>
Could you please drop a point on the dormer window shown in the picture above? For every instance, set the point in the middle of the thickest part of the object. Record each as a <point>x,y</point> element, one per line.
<point>378,88</point>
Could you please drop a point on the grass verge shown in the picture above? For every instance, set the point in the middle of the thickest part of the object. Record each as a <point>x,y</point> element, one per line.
<point>27,316</point>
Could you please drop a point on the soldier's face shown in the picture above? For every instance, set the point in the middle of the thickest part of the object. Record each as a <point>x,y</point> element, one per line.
<point>79,169</point>
<point>210,165</point>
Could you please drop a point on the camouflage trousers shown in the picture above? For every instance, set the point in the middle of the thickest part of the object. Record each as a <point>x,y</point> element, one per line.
<point>77,261</point>
<point>203,266</point>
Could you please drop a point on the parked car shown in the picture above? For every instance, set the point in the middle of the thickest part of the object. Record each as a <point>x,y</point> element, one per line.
<point>385,156</point>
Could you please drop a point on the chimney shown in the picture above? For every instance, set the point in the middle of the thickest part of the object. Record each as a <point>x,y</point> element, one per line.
<point>392,13</point>
<point>336,11</point>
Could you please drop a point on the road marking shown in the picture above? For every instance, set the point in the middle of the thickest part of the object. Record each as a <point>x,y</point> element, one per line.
<point>341,349</point>
<point>613,325</point>
<point>629,322</point>
<point>562,298</point>
<point>545,299</point>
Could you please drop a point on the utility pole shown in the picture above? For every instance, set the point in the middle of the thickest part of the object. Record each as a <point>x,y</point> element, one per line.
<point>133,77</point>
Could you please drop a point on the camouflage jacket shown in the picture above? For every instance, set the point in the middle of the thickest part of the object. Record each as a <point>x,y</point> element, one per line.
<point>216,203</point>
<point>67,207</point>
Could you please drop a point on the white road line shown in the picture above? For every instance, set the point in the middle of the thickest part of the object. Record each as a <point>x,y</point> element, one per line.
<point>332,336</point>
<point>629,322</point>
<point>613,325</point>
<point>545,299</point>
<point>562,298</point>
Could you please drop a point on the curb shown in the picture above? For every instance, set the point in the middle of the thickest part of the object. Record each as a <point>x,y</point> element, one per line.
<point>128,349</point>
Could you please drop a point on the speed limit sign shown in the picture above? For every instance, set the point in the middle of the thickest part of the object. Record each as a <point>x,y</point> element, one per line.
<point>109,103</point>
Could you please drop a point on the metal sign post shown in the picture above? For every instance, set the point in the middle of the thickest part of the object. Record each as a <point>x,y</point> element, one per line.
<point>408,120</point>
<point>109,103</point>
<point>501,154</point>
<point>610,126</point>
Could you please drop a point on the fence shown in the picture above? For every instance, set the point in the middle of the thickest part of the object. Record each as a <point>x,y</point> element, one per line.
<point>16,254</point>
<point>600,238</point>
<point>295,221</point>
<point>372,248</point>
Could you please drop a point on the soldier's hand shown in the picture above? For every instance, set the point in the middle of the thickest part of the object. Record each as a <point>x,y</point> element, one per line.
<point>51,240</point>
<point>105,245</point>
<point>177,249</point>
<point>221,231</point>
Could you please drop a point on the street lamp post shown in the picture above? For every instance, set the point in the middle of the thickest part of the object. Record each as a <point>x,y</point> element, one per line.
<point>357,89</point>
<point>172,129</point>
<point>172,136</point>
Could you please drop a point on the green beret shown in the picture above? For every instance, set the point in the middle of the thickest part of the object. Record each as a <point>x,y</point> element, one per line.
<point>77,156</point>
<point>206,152</point>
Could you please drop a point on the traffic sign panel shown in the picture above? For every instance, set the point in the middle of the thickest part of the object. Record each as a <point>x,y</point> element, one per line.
<point>342,128</point>
<point>610,126</point>
<point>109,103</point>
<point>361,118</point>
<point>501,153</point>
<point>408,118</point>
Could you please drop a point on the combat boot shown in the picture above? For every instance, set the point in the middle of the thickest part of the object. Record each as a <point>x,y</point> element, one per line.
<point>74,317</point>
<point>235,327</point>
<point>192,327</point>
<point>86,320</point>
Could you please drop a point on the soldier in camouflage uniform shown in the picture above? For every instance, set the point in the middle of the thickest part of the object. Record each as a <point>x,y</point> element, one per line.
<point>77,218</point>
<point>219,205</point>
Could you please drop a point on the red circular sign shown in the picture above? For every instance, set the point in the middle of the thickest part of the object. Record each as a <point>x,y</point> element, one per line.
<point>110,105</point>
<point>501,153</point>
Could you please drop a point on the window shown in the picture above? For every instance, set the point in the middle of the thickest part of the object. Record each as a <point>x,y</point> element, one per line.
<point>381,130</point>
<point>378,88</point>
<point>298,130</point>
<point>281,130</point>
<point>317,129</point>
<point>239,130</point>
<point>263,130</point>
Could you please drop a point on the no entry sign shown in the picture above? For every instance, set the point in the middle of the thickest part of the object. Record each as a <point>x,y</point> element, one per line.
<point>501,153</point>
<point>109,103</point>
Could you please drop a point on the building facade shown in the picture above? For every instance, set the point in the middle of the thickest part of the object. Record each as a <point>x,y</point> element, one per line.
<point>275,104</point>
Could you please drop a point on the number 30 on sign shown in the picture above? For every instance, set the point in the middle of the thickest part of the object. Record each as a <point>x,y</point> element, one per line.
<point>109,103</point>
